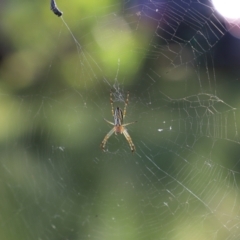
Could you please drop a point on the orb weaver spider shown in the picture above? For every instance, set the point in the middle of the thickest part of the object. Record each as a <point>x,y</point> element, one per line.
<point>119,127</point>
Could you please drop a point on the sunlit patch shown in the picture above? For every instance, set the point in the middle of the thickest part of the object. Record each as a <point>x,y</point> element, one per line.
<point>229,9</point>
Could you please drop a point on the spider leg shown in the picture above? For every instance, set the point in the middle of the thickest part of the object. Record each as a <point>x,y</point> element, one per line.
<point>104,141</point>
<point>111,102</point>
<point>125,106</point>
<point>127,136</point>
<point>109,122</point>
<point>128,123</point>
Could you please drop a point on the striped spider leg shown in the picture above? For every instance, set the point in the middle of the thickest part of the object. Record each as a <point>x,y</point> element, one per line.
<point>119,127</point>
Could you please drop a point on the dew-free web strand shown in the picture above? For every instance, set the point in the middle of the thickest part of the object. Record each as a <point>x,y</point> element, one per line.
<point>55,9</point>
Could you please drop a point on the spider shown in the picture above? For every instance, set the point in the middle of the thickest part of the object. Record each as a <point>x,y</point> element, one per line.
<point>119,127</point>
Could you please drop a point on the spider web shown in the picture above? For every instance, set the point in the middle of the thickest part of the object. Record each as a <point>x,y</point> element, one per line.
<point>180,65</point>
